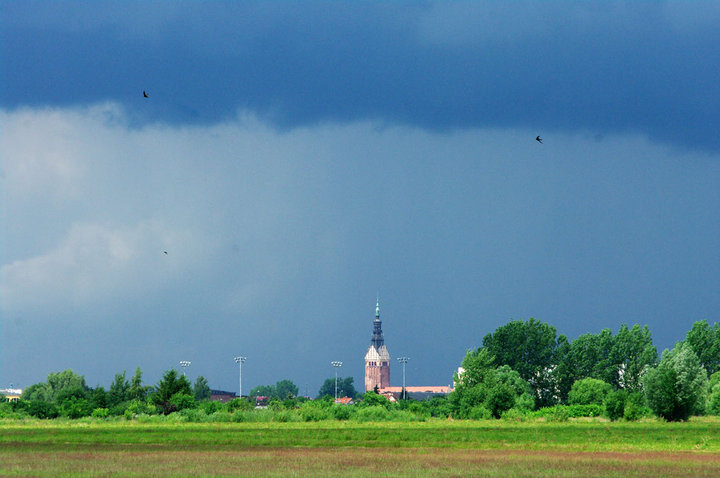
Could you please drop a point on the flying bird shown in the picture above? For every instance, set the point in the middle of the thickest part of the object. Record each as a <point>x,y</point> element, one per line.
<point>145,95</point>
<point>539,140</point>
<point>165,252</point>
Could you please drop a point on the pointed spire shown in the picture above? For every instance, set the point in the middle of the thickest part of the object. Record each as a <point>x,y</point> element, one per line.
<point>377,306</point>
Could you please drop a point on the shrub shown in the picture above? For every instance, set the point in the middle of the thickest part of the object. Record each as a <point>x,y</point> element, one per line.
<point>342,412</point>
<point>42,409</point>
<point>182,401</point>
<point>195,415</point>
<point>375,413</point>
<point>314,412</point>
<point>588,391</point>
<point>239,404</point>
<point>221,416</point>
<point>499,399</point>
<point>676,389</point>
<point>635,407</point>
<point>210,407</point>
<point>513,415</point>
<point>479,412</point>
<point>284,416</point>
<point>592,410</point>
<point>100,413</point>
<point>713,406</point>
<point>615,404</point>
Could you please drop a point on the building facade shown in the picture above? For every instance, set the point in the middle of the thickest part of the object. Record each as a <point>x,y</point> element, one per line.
<point>377,358</point>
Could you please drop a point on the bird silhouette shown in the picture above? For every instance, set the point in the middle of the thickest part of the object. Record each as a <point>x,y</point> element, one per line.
<point>165,252</point>
<point>145,95</point>
<point>539,140</point>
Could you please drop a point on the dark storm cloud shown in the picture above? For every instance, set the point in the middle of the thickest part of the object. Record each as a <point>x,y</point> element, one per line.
<point>644,67</point>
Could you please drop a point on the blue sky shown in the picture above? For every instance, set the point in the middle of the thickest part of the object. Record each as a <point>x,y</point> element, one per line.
<point>295,159</point>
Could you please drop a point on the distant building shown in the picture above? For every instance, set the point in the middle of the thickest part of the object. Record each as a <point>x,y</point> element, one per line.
<point>415,393</point>
<point>377,369</point>
<point>377,358</point>
<point>222,396</point>
<point>11,394</point>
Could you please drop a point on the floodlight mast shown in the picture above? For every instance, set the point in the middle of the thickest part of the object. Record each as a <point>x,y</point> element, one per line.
<point>240,360</point>
<point>336,364</point>
<point>184,364</point>
<point>403,361</point>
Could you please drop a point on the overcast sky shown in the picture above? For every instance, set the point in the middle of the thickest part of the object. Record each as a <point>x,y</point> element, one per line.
<point>296,159</point>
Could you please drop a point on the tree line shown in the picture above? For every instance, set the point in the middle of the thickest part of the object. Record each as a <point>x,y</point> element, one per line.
<point>523,369</point>
<point>526,365</point>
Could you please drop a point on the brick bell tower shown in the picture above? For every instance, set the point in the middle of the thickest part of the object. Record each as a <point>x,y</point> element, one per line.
<point>377,358</point>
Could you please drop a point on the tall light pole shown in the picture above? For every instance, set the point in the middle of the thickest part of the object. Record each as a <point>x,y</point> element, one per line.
<point>336,365</point>
<point>240,360</point>
<point>403,361</point>
<point>184,364</point>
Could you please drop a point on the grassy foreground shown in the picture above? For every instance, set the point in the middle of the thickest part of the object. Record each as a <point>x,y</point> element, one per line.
<point>433,448</point>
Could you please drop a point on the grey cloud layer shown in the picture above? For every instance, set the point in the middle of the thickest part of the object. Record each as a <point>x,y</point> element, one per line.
<point>602,67</point>
<point>278,242</point>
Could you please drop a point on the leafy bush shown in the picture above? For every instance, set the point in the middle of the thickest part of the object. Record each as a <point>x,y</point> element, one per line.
<point>195,415</point>
<point>100,413</point>
<point>220,416</point>
<point>75,407</point>
<point>181,401</point>
<point>314,411</point>
<point>239,404</point>
<point>284,416</point>
<point>635,407</point>
<point>42,409</point>
<point>513,415</point>
<point>615,404</point>
<point>210,407</point>
<point>374,413</point>
<point>592,410</point>
<point>588,391</point>
<point>676,389</point>
<point>713,405</point>
<point>479,412</point>
<point>342,412</point>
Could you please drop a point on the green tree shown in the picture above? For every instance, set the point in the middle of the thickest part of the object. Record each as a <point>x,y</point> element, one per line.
<point>481,388</point>
<point>676,388</point>
<point>345,388</point>
<point>588,356</point>
<point>98,398</point>
<point>632,354</point>
<point>285,389</point>
<point>530,348</point>
<point>588,391</point>
<point>58,387</point>
<point>170,385</point>
<point>372,398</point>
<point>201,389</point>
<point>137,391</point>
<point>704,340</point>
<point>119,388</point>
<point>263,391</point>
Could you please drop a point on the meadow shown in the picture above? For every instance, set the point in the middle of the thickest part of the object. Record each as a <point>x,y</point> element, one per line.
<point>431,448</point>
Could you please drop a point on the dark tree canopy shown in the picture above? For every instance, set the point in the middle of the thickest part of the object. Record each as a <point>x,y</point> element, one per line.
<point>171,384</point>
<point>345,388</point>
<point>530,348</point>
<point>704,340</point>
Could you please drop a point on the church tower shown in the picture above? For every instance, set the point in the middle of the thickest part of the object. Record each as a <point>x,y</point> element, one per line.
<point>377,358</point>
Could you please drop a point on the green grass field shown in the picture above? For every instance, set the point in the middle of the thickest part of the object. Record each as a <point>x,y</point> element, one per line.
<point>433,448</point>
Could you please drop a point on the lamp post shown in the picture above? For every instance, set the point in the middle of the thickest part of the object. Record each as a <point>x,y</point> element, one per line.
<point>403,361</point>
<point>337,365</point>
<point>184,364</point>
<point>240,360</point>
